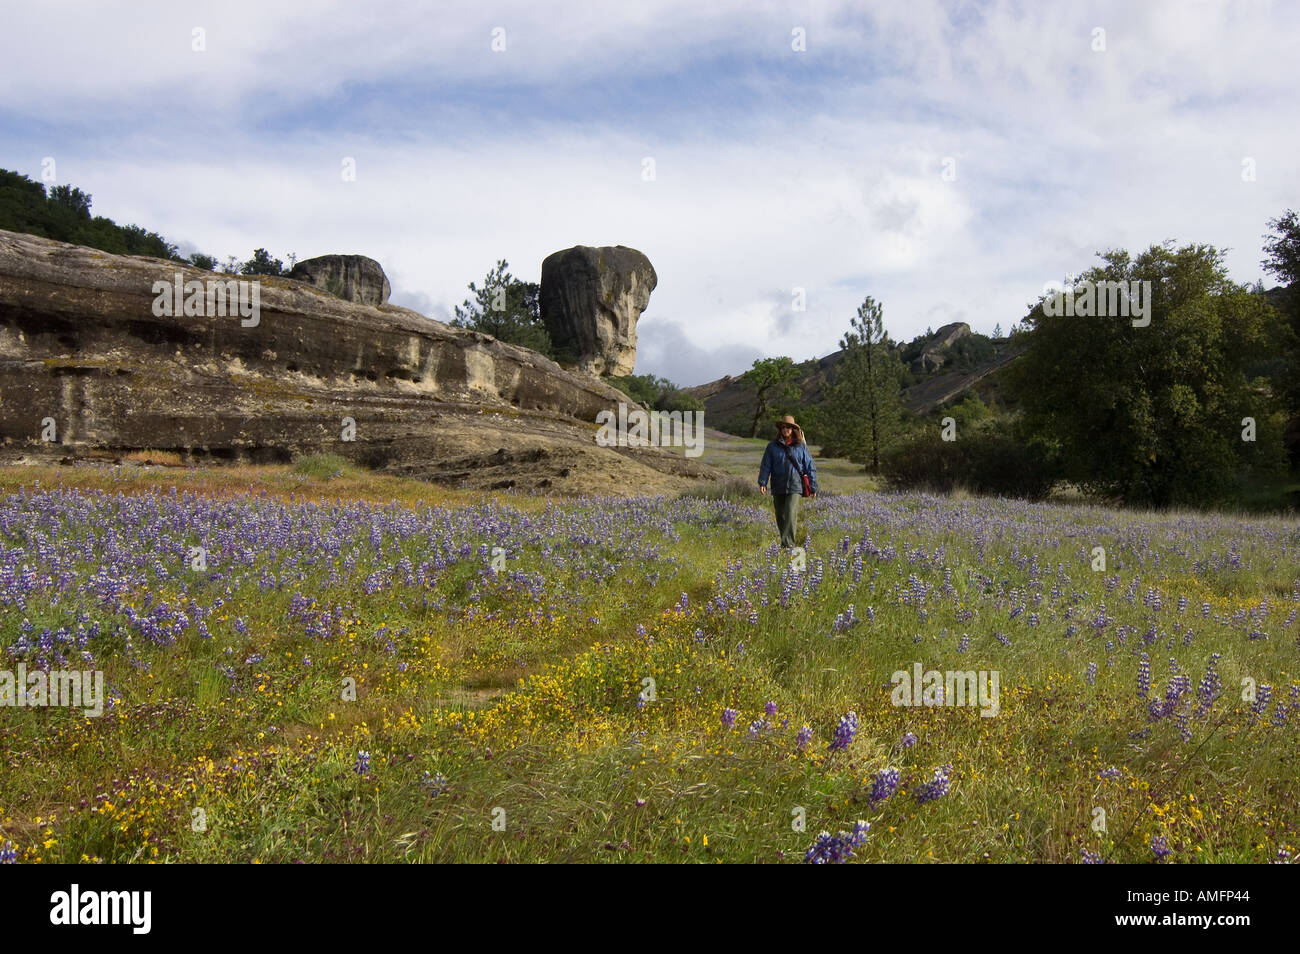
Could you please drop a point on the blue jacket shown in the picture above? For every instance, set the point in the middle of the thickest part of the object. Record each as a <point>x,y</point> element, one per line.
<point>786,479</point>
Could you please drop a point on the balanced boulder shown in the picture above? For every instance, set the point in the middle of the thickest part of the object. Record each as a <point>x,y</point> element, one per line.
<point>591,299</point>
<point>350,277</point>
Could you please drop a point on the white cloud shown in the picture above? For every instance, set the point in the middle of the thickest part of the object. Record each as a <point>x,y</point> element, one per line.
<point>775,172</point>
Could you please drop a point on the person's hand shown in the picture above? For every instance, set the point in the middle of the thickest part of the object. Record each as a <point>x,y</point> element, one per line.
<point>762,489</point>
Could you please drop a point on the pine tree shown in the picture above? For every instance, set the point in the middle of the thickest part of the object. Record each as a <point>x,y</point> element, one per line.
<point>507,309</point>
<point>866,400</point>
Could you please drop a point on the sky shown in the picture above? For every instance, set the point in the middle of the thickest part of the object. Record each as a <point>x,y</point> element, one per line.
<point>946,159</point>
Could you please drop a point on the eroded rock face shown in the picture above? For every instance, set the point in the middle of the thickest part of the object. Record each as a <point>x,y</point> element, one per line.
<point>83,348</point>
<point>350,277</point>
<point>935,354</point>
<point>591,299</point>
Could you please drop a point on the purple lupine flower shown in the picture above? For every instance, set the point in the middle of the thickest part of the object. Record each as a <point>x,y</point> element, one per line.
<point>770,708</point>
<point>936,788</point>
<point>1178,687</point>
<point>836,849</point>
<point>884,785</point>
<point>436,784</point>
<point>1109,773</point>
<point>964,643</point>
<point>363,762</point>
<point>845,620</point>
<point>1144,677</point>
<point>845,732</point>
<point>1092,857</point>
<point>803,738</point>
<point>1262,698</point>
<point>1160,847</point>
<point>8,854</point>
<point>758,727</point>
<point>1091,674</point>
<point>909,740</point>
<point>1210,687</point>
<point>728,718</point>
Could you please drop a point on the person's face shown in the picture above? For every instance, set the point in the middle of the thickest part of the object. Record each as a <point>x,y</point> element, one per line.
<point>786,432</point>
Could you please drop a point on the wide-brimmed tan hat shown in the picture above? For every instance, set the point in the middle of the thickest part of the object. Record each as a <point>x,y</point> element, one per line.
<point>789,419</point>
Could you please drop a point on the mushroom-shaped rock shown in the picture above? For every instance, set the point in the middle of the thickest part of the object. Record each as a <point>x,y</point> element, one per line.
<point>591,299</point>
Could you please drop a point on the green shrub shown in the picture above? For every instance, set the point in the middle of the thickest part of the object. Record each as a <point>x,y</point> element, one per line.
<point>983,460</point>
<point>675,399</point>
<point>658,394</point>
<point>641,388</point>
<point>325,466</point>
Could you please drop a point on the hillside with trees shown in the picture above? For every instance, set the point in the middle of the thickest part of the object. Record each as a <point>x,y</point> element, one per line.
<point>1199,407</point>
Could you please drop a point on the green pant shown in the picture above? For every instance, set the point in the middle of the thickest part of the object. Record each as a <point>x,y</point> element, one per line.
<point>787,513</point>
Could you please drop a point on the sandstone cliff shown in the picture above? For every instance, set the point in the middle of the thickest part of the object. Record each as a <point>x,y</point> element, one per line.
<point>85,359</point>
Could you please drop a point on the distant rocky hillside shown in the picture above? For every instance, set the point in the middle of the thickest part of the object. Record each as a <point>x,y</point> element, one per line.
<point>89,365</point>
<point>941,366</point>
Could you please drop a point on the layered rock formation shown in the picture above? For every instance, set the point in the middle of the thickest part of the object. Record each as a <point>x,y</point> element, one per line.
<point>591,299</point>
<point>98,353</point>
<point>350,277</point>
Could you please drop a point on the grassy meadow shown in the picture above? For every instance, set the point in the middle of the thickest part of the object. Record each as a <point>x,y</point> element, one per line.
<point>308,666</point>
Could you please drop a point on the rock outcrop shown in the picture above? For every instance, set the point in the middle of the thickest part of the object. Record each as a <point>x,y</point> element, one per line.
<point>591,299</point>
<point>350,277</point>
<point>98,353</point>
<point>934,355</point>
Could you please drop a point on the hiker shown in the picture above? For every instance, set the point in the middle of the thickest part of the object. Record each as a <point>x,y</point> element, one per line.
<point>793,474</point>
